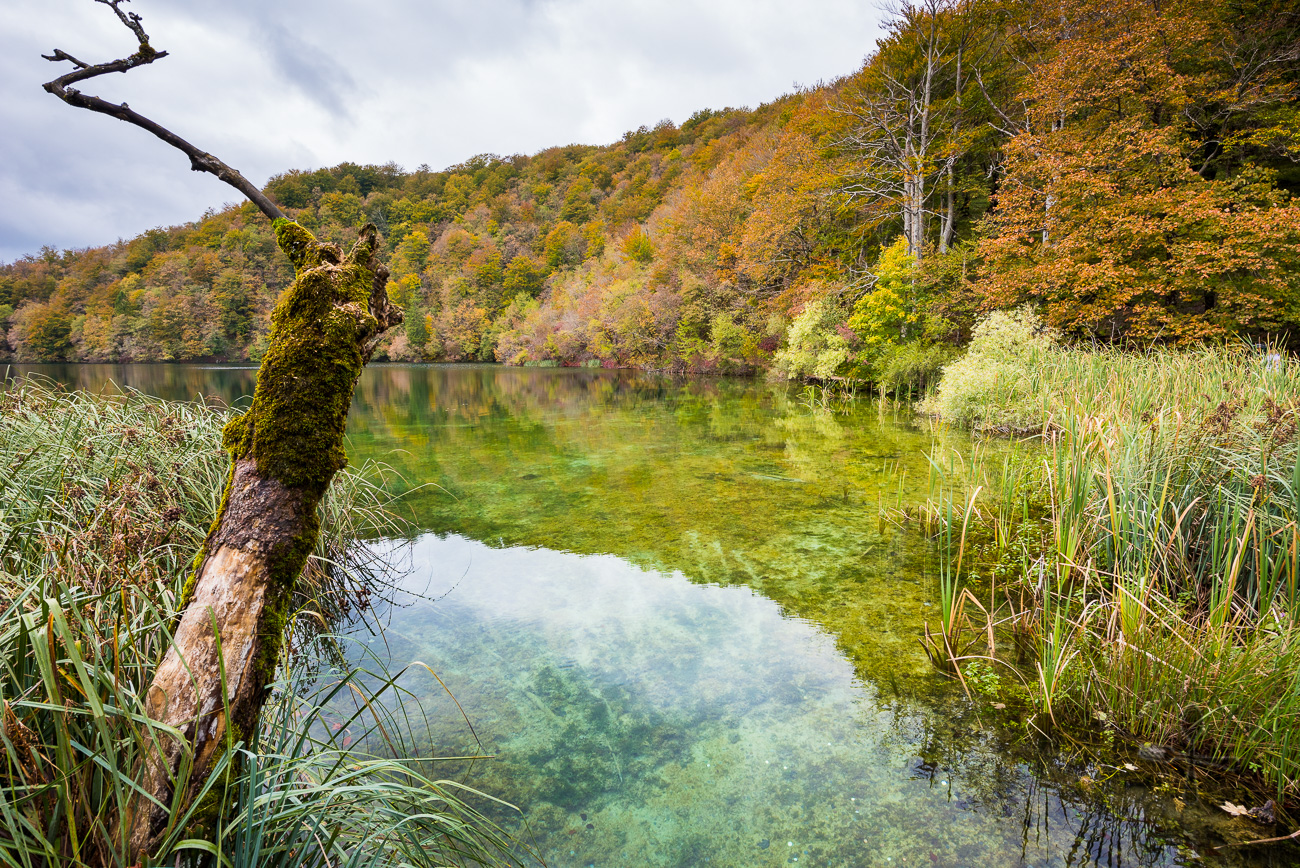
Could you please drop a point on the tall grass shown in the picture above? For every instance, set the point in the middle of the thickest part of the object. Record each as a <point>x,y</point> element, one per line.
<point>104,502</point>
<point>1162,547</point>
<point>309,796</point>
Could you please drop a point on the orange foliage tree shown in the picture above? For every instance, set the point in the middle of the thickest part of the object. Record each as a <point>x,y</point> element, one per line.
<point>1102,216</point>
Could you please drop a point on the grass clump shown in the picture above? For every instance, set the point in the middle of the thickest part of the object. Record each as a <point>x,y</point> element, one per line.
<point>1154,540</point>
<point>325,784</point>
<point>104,501</point>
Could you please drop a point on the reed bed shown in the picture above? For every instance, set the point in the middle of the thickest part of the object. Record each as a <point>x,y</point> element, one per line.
<point>1147,541</point>
<point>104,502</point>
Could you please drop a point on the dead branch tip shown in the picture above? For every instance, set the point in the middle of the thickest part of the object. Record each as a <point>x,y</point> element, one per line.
<point>130,19</point>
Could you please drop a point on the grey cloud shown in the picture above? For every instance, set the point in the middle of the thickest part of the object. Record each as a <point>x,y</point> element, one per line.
<point>313,70</point>
<point>271,86</point>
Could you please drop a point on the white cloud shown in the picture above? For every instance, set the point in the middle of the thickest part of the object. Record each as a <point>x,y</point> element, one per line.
<point>297,84</point>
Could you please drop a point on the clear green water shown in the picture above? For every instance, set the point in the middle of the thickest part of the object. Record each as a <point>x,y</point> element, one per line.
<point>670,611</point>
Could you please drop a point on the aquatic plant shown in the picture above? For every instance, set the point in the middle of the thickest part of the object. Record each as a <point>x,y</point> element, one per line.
<point>1162,550</point>
<point>103,503</point>
<point>943,647</point>
<point>331,781</point>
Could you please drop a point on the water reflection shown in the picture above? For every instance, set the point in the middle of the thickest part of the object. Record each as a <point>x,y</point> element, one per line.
<point>224,384</point>
<point>726,481</point>
<point>640,718</point>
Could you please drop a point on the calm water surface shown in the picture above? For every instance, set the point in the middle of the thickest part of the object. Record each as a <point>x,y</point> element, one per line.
<point>669,608</point>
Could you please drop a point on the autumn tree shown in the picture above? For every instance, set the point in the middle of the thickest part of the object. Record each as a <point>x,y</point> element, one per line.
<point>799,210</point>
<point>1109,213</point>
<point>284,451</point>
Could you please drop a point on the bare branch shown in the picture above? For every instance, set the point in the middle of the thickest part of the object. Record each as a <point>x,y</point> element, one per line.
<point>200,161</point>
<point>60,54</point>
<point>130,19</point>
<point>1012,128</point>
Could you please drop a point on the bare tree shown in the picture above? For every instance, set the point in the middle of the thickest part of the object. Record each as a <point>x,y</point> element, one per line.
<point>906,112</point>
<point>895,134</point>
<point>210,687</point>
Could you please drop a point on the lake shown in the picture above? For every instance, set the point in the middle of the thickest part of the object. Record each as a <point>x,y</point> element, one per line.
<point>672,613</point>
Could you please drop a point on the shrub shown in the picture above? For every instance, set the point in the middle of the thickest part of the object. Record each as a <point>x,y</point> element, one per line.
<point>814,347</point>
<point>991,386</point>
<point>914,368</point>
<point>728,343</point>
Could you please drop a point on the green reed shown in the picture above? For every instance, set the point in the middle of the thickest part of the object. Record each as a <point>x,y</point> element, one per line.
<point>1161,546</point>
<point>309,796</point>
<point>104,501</point>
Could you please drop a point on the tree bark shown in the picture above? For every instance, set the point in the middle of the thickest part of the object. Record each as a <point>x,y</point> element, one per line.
<point>284,452</point>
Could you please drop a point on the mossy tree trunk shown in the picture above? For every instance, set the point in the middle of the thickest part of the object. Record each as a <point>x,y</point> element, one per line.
<point>284,451</point>
<point>210,687</point>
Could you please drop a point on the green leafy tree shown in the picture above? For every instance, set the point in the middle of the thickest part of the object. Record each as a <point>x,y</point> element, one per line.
<point>458,192</point>
<point>524,275</point>
<point>565,245</point>
<point>343,208</point>
<point>411,255</point>
<point>814,346</point>
<point>483,267</point>
<point>638,247</point>
<point>886,315</point>
<point>730,343</point>
<point>45,332</point>
<point>578,206</point>
<point>405,291</point>
<point>416,324</point>
<point>235,299</point>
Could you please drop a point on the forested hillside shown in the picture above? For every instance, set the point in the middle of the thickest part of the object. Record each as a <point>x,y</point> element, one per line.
<point>1127,167</point>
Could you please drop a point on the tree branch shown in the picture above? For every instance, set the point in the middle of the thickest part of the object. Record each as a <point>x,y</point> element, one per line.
<point>200,161</point>
<point>130,19</point>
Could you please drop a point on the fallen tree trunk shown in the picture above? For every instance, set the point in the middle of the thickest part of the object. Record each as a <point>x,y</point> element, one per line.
<point>284,451</point>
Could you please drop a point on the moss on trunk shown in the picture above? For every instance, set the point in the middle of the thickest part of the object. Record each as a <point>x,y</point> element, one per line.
<point>284,451</point>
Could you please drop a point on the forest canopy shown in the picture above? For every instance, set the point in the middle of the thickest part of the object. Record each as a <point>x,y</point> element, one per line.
<point>1128,168</point>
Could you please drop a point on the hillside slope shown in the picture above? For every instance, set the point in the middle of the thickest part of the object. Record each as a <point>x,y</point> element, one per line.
<point>1127,168</point>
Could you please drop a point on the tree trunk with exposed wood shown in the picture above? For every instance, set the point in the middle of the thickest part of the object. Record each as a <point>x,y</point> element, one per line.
<point>210,687</point>
<point>284,451</point>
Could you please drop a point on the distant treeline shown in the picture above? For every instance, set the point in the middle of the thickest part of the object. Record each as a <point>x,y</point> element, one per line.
<point>1127,167</point>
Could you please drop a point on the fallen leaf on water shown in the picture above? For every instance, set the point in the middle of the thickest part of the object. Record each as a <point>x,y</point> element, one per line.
<point>1235,810</point>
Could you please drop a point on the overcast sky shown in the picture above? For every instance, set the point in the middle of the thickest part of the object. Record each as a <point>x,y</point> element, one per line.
<point>270,85</point>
